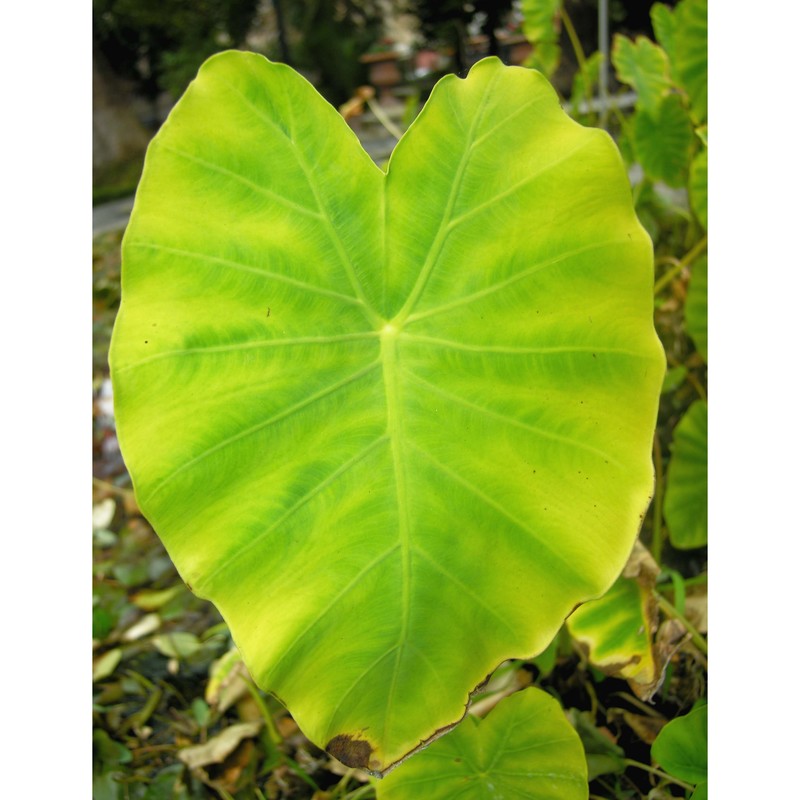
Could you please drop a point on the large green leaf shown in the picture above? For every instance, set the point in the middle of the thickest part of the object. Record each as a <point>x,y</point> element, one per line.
<point>644,66</point>
<point>696,308</point>
<point>542,28</point>
<point>681,747</point>
<point>524,750</point>
<point>698,186</point>
<point>690,42</point>
<point>395,425</point>
<point>663,139</point>
<point>663,19</point>
<point>686,497</point>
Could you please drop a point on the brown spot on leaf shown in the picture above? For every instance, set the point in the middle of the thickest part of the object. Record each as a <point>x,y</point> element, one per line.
<point>351,752</point>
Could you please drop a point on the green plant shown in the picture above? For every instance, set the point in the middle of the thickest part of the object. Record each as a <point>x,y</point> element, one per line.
<point>524,748</point>
<point>682,748</point>
<point>395,434</point>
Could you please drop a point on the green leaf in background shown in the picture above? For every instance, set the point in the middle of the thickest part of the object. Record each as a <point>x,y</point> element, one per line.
<point>696,308</point>
<point>674,378</point>
<point>336,392</point>
<point>681,747</point>
<point>603,757</point>
<point>176,645</point>
<point>105,664</point>
<point>617,629</point>
<point>702,134</point>
<point>584,82</point>
<point>686,497</point>
<point>663,19</point>
<point>525,748</point>
<point>644,66</point>
<point>106,752</point>
<point>662,140</point>
<point>698,187</point>
<point>691,54</point>
<point>542,28</point>
<point>700,792</point>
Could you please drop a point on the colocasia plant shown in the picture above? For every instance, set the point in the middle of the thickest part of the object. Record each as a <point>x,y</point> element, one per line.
<point>395,424</point>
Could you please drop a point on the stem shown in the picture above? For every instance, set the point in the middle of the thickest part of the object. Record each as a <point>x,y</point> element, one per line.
<point>621,119</point>
<point>653,771</point>
<point>637,191</point>
<point>698,387</point>
<point>362,791</point>
<point>657,543</point>
<point>274,735</point>
<point>678,589</point>
<point>698,580</point>
<point>110,487</point>
<point>341,787</point>
<point>634,701</point>
<point>577,49</point>
<point>383,118</point>
<point>275,739</point>
<point>668,276</point>
<point>573,40</point>
<point>602,32</point>
<point>673,612</point>
<point>300,772</point>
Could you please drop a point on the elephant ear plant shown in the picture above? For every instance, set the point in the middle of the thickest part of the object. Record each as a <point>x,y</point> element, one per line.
<point>395,425</point>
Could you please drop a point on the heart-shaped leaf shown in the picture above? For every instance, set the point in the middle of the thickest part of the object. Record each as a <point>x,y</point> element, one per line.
<point>542,28</point>
<point>686,497</point>
<point>696,308</point>
<point>645,67</point>
<point>682,746</point>
<point>663,139</point>
<point>690,42</point>
<point>663,19</point>
<point>395,425</point>
<point>524,749</point>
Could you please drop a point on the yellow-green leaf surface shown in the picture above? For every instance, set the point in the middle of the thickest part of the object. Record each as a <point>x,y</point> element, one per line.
<point>525,749</point>
<point>394,425</point>
<point>686,497</point>
<point>617,629</point>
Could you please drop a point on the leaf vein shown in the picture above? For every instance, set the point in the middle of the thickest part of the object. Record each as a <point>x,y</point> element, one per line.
<point>226,262</point>
<point>512,421</point>
<point>255,345</point>
<point>504,350</point>
<point>500,285</point>
<point>306,498</point>
<point>286,412</point>
<point>517,186</point>
<point>467,590</point>
<point>280,199</point>
<point>502,511</point>
<point>332,604</point>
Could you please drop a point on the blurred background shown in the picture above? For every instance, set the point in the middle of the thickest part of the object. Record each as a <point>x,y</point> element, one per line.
<point>145,53</point>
